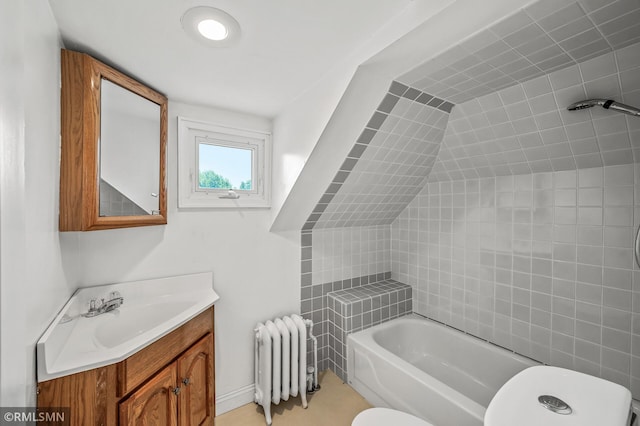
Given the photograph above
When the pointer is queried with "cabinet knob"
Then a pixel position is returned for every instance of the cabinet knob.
(176, 390)
(186, 381)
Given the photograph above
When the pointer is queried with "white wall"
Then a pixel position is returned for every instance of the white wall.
(33, 267)
(255, 272)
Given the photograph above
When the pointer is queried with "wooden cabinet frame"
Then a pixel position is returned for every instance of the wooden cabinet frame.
(107, 396)
(80, 132)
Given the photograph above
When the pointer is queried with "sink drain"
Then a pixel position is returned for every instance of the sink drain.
(554, 404)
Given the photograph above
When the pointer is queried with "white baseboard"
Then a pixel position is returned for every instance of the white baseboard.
(234, 399)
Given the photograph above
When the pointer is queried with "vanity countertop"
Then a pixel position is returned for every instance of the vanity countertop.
(151, 309)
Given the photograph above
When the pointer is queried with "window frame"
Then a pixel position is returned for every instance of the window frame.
(190, 135)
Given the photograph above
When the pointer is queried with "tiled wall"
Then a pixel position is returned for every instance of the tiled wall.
(336, 259)
(343, 253)
(388, 163)
(545, 36)
(538, 263)
(114, 203)
(354, 309)
(527, 128)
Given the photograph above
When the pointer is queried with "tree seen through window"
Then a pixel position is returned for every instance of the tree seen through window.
(224, 167)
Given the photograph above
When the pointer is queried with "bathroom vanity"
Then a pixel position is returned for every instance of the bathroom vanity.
(143, 363)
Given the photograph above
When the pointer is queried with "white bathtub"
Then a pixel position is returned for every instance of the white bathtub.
(429, 370)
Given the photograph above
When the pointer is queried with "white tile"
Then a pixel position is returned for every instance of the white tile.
(565, 78)
(585, 146)
(571, 28)
(542, 8)
(479, 41)
(591, 177)
(591, 5)
(590, 197)
(612, 123)
(580, 131)
(512, 95)
(549, 120)
(590, 255)
(561, 16)
(618, 175)
(614, 142)
(630, 81)
(589, 37)
(599, 67)
(615, 236)
(632, 98)
(590, 216)
(618, 257)
(543, 103)
(511, 24)
(487, 102)
(604, 88)
(589, 160)
(613, 11)
(618, 216)
(628, 57)
(553, 136)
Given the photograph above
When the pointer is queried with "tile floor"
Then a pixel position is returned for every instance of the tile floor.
(335, 404)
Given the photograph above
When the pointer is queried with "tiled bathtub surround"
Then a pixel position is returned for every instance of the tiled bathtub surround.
(344, 253)
(547, 35)
(527, 128)
(336, 259)
(358, 308)
(539, 263)
(523, 234)
(388, 163)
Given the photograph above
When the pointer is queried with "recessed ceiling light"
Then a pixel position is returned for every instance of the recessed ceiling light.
(211, 26)
(213, 30)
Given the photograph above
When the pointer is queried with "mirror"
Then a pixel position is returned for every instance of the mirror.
(113, 148)
(129, 162)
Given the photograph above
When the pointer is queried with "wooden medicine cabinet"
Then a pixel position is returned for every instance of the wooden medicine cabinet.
(113, 148)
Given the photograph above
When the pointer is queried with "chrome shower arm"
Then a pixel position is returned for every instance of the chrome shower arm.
(627, 109)
(606, 104)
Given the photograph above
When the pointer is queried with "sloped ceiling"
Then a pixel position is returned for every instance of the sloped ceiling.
(511, 83)
(386, 168)
(526, 128)
(544, 37)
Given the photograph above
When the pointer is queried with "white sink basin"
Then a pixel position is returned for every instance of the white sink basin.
(151, 309)
(125, 324)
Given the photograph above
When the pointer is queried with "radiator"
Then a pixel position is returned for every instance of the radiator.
(280, 361)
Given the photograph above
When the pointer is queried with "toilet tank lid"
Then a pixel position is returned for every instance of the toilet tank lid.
(593, 401)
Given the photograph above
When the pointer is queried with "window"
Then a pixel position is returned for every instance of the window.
(222, 166)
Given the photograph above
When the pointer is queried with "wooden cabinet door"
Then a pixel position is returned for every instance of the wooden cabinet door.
(154, 403)
(195, 376)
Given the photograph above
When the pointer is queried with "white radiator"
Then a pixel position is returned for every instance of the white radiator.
(280, 361)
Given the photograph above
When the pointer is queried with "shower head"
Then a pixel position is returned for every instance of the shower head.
(606, 104)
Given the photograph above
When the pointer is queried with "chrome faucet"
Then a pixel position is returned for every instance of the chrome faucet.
(98, 307)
